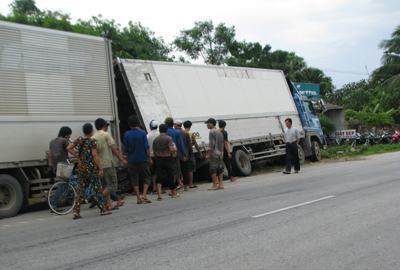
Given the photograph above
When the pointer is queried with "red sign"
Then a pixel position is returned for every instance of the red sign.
(345, 134)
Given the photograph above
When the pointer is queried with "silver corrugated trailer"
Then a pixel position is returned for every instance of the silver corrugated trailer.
(253, 102)
(48, 79)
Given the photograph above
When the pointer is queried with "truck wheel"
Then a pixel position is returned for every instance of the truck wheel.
(11, 196)
(302, 156)
(315, 151)
(241, 163)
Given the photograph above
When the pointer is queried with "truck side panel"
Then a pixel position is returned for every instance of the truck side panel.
(248, 99)
(49, 79)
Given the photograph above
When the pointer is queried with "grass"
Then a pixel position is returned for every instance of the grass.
(344, 151)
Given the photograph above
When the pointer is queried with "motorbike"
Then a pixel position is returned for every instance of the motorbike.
(396, 137)
(385, 138)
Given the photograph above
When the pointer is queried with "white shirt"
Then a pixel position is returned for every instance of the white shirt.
(151, 136)
(291, 135)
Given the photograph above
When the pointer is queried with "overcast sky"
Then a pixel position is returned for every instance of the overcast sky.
(340, 37)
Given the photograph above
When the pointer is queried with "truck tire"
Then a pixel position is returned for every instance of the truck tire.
(302, 157)
(11, 196)
(241, 163)
(315, 151)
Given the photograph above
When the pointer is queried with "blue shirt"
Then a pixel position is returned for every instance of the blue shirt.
(178, 140)
(136, 145)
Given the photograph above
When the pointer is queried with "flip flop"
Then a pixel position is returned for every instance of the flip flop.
(105, 213)
(194, 186)
(146, 200)
(76, 217)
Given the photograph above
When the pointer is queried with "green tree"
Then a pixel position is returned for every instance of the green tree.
(315, 75)
(370, 119)
(355, 96)
(207, 41)
(389, 72)
(24, 7)
(132, 41)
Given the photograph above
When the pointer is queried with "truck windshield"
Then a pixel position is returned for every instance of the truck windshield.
(309, 107)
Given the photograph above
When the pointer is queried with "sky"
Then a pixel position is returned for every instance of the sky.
(341, 37)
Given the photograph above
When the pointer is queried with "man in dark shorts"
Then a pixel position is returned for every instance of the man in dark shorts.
(227, 151)
(164, 151)
(107, 150)
(186, 163)
(215, 155)
(189, 165)
(138, 150)
(178, 141)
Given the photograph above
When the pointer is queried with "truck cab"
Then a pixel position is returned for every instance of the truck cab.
(314, 136)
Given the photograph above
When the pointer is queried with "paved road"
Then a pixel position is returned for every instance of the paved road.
(331, 216)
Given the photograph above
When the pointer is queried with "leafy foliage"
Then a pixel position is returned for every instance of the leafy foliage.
(328, 126)
(375, 102)
(205, 40)
(133, 41)
(370, 119)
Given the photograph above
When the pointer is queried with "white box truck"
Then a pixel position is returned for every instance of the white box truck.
(253, 102)
(50, 79)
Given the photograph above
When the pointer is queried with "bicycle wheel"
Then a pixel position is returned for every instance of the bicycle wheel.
(61, 198)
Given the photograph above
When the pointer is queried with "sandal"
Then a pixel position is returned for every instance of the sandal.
(76, 216)
(140, 202)
(111, 207)
(159, 199)
(120, 203)
(145, 200)
(194, 186)
(105, 212)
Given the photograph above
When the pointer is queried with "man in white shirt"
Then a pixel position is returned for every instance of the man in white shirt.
(151, 136)
(292, 153)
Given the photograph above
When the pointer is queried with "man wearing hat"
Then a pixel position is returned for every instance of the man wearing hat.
(215, 154)
(151, 136)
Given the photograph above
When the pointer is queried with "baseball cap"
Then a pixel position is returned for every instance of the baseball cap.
(100, 123)
(211, 121)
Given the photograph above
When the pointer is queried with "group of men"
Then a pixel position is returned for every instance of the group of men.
(162, 157)
(165, 156)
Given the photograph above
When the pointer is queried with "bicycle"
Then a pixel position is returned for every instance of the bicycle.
(62, 195)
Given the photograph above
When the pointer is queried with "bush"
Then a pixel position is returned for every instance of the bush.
(327, 125)
(369, 119)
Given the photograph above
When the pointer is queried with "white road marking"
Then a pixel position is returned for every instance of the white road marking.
(293, 206)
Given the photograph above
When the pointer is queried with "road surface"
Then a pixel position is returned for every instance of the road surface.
(342, 215)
